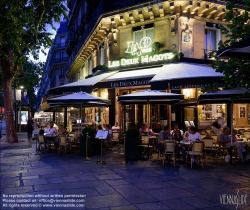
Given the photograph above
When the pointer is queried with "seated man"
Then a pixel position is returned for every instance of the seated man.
(225, 140)
(52, 132)
(115, 128)
(163, 135)
(157, 128)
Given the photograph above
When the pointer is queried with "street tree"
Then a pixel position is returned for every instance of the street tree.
(236, 71)
(23, 31)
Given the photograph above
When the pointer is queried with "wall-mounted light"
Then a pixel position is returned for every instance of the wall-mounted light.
(187, 93)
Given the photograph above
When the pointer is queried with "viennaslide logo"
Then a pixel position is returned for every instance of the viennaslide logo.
(234, 199)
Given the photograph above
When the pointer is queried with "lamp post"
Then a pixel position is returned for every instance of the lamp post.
(16, 96)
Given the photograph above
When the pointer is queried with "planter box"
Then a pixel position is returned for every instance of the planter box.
(94, 146)
(131, 148)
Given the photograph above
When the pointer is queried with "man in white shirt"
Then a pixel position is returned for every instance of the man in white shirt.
(116, 128)
(52, 132)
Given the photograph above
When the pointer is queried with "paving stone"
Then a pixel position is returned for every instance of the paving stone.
(109, 176)
(124, 208)
(18, 190)
(177, 204)
(133, 194)
(90, 191)
(181, 184)
(155, 185)
(34, 181)
(105, 201)
(106, 190)
(86, 178)
(138, 180)
(85, 184)
(45, 187)
(54, 180)
(69, 179)
(116, 182)
(150, 206)
(171, 193)
(198, 202)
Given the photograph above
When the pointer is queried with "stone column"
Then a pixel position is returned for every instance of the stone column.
(102, 56)
(90, 65)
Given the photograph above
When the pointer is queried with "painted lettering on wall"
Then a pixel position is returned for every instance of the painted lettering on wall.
(129, 83)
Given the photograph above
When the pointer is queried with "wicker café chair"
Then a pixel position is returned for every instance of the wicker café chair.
(197, 151)
(62, 140)
(169, 149)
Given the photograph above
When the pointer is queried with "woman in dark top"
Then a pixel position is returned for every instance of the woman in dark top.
(179, 148)
(30, 127)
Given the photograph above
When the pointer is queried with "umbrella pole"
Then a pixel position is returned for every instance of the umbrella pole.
(124, 162)
(231, 147)
(148, 126)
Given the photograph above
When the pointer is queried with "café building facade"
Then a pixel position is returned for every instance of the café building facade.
(116, 48)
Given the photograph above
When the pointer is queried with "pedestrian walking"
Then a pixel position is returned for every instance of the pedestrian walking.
(29, 127)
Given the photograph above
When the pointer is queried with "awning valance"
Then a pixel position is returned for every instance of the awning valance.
(86, 85)
(184, 75)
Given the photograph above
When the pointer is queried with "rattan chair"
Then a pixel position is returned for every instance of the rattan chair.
(197, 151)
(169, 149)
(209, 148)
(41, 143)
(62, 140)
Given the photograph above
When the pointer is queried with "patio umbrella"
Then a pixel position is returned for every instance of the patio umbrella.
(240, 50)
(81, 99)
(150, 97)
(231, 96)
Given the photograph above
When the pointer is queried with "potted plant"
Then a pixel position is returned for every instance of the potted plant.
(156, 46)
(93, 144)
(131, 144)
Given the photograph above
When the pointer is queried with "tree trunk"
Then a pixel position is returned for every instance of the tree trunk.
(8, 75)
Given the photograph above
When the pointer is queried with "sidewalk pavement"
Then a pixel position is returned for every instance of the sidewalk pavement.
(66, 181)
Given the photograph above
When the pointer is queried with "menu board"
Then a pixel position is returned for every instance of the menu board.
(101, 134)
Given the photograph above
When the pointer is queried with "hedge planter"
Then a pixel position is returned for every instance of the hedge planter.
(132, 149)
(94, 146)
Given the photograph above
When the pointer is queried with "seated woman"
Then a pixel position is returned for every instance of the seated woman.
(192, 135)
(179, 148)
(145, 129)
(62, 131)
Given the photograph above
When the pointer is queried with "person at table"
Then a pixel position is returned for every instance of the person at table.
(116, 127)
(225, 140)
(30, 128)
(179, 147)
(145, 129)
(157, 128)
(62, 131)
(52, 132)
(192, 135)
(163, 135)
(176, 127)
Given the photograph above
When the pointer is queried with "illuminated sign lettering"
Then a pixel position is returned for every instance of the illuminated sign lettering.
(135, 48)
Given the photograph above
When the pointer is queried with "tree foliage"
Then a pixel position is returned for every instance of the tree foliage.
(23, 31)
(236, 71)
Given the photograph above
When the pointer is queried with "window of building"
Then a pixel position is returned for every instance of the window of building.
(212, 36)
(138, 35)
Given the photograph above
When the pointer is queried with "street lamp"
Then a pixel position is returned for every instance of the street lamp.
(16, 96)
